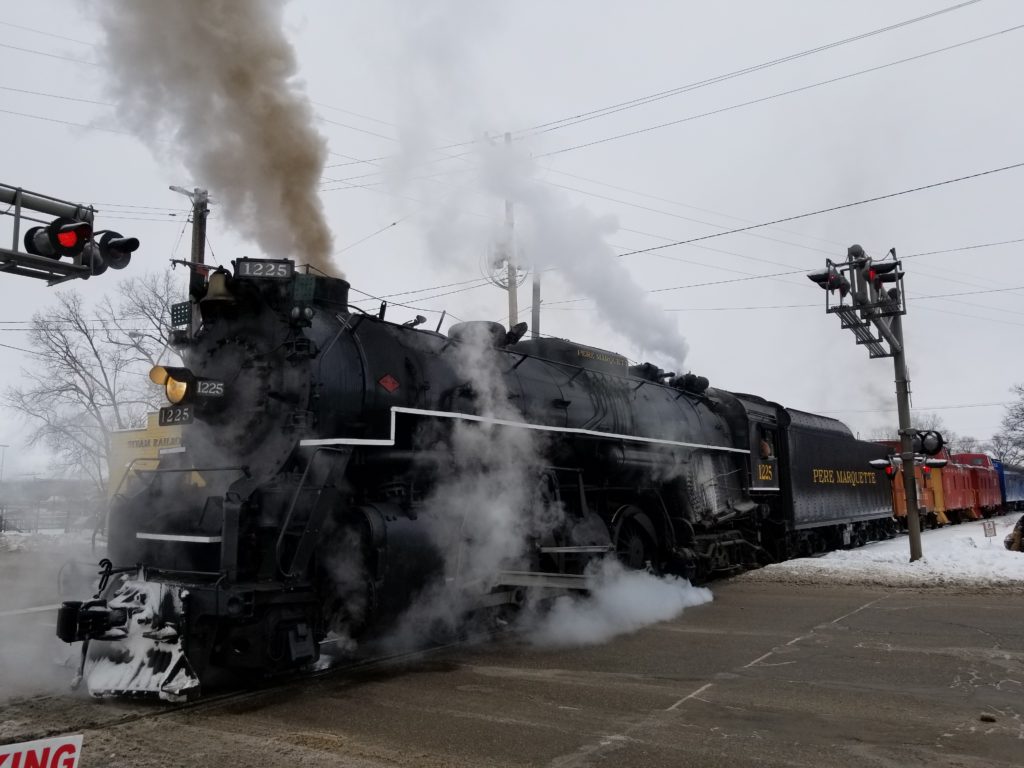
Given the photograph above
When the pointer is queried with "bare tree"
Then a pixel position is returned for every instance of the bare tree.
(964, 443)
(919, 420)
(1008, 443)
(89, 373)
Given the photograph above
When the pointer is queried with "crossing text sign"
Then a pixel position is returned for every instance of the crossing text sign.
(60, 752)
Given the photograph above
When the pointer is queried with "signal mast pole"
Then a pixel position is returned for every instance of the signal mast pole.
(907, 453)
(872, 309)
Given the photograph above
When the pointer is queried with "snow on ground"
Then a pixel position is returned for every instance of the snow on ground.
(953, 556)
(45, 540)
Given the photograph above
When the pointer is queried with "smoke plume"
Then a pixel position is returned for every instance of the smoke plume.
(220, 76)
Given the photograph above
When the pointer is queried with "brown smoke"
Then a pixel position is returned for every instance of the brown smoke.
(219, 75)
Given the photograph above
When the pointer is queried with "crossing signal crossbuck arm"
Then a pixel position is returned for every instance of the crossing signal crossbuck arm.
(66, 248)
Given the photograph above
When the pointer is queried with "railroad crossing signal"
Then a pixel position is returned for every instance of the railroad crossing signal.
(61, 237)
(872, 310)
(113, 250)
(928, 442)
(881, 272)
(67, 247)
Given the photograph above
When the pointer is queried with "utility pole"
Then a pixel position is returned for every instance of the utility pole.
(200, 209)
(871, 308)
(535, 312)
(3, 499)
(197, 273)
(511, 268)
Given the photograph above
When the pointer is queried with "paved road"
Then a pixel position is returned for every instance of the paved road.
(766, 675)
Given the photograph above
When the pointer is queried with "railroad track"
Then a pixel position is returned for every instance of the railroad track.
(77, 712)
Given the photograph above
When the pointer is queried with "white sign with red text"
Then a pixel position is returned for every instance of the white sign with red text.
(61, 752)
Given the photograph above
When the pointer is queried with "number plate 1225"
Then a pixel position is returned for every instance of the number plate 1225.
(175, 414)
(264, 268)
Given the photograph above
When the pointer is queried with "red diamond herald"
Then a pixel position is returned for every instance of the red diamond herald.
(389, 382)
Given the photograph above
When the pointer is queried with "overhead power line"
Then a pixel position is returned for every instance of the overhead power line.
(659, 198)
(483, 282)
(71, 123)
(923, 408)
(964, 248)
(409, 306)
(831, 209)
(783, 274)
(55, 96)
(49, 55)
(644, 100)
(943, 310)
(355, 128)
(47, 34)
(789, 92)
(354, 114)
(361, 240)
(558, 304)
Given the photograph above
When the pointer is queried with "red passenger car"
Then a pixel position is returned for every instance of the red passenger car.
(984, 483)
(958, 498)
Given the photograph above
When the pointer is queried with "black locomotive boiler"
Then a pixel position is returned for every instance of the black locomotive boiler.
(314, 434)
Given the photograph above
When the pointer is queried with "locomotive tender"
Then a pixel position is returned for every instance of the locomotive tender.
(315, 434)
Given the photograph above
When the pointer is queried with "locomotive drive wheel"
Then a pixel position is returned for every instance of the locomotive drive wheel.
(633, 544)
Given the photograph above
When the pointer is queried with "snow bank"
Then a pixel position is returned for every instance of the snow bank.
(954, 556)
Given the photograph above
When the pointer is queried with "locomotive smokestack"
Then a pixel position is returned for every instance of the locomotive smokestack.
(220, 75)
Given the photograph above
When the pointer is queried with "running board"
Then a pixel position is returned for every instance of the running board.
(540, 579)
(598, 549)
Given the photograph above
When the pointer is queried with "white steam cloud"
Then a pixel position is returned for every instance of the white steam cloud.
(620, 602)
(488, 501)
(441, 45)
(556, 233)
(220, 75)
(39, 570)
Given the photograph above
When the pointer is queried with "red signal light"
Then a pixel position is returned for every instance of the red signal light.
(67, 239)
(61, 237)
(890, 471)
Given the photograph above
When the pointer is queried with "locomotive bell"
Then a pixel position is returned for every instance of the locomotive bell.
(217, 288)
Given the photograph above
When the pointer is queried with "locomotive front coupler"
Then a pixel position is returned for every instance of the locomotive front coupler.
(81, 620)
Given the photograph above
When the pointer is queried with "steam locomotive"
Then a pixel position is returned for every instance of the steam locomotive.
(305, 498)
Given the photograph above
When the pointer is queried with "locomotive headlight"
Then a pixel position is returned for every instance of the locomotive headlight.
(176, 390)
(183, 386)
(158, 375)
(178, 383)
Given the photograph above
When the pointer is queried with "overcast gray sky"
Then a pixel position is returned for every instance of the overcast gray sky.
(397, 79)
